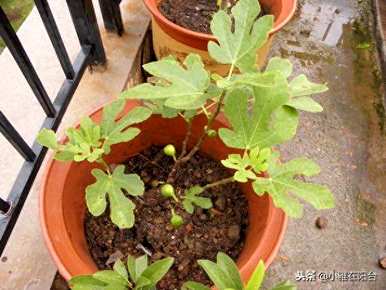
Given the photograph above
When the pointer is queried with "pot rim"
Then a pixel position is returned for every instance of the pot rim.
(153, 8)
(276, 217)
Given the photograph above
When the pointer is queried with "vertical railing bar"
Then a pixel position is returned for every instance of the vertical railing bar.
(4, 206)
(15, 47)
(15, 139)
(29, 170)
(111, 14)
(54, 34)
(86, 26)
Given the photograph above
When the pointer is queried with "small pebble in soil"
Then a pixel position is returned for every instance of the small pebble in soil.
(321, 222)
(117, 255)
(220, 203)
(234, 232)
(382, 262)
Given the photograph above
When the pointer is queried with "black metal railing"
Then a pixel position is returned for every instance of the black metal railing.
(91, 53)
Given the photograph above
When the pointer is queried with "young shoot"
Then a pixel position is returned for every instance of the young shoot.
(192, 198)
(225, 276)
(136, 274)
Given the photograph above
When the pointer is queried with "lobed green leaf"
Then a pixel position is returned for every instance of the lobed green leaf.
(301, 86)
(305, 104)
(242, 165)
(90, 141)
(191, 199)
(186, 87)
(267, 123)
(47, 138)
(300, 89)
(280, 65)
(250, 79)
(115, 131)
(122, 208)
(238, 46)
(286, 190)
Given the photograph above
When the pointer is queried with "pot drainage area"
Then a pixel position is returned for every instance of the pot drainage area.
(332, 41)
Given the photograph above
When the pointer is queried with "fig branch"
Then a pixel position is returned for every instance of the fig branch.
(205, 133)
(187, 137)
(210, 122)
(219, 182)
(185, 158)
(105, 165)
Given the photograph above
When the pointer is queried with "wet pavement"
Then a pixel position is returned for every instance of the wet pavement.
(331, 41)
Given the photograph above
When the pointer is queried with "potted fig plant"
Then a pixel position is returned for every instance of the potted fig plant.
(181, 27)
(183, 167)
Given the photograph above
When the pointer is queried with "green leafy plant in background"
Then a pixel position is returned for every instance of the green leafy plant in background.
(90, 142)
(17, 11)
(137, 275)
(225, 276)
(261, 107)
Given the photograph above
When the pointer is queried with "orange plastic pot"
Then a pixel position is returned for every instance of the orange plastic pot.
(172, 39)
(62, 199)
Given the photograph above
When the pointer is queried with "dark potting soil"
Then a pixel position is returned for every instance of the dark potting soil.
(191, 14)
(194, 15)
(203, 234)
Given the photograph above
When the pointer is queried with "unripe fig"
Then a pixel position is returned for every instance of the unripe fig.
(167, 190)
(176, 220)
(170, 150)
(212, 133)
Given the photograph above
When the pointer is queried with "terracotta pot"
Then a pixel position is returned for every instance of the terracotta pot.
(62, 201)
(172, 39)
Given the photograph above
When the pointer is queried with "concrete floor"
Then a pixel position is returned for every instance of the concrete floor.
(331, 42)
